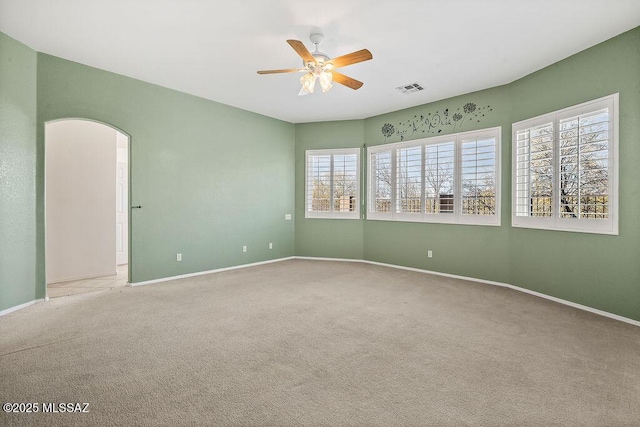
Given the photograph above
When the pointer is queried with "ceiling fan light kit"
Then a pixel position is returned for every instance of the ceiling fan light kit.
(308, 82)
(325, 78)
(319, 66)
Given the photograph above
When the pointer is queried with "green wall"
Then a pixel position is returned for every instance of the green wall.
(17, 173)
(595, 270)
(474, 251)
(326, 237)
(598, 271)
(210, 178)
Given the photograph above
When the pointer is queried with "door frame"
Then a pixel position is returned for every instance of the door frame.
(129, 189)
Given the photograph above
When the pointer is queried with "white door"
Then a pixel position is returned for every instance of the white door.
(122, 217)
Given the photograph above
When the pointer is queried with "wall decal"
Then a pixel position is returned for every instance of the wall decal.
(436, 123)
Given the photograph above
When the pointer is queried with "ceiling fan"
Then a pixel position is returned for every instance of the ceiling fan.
(318, 66)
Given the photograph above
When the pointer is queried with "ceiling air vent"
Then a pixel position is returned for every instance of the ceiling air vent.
(410, 88)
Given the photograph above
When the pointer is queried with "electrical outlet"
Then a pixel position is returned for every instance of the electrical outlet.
(429, 254)
(287, 217)
(270, 245)
(244, 249)
(178, 257)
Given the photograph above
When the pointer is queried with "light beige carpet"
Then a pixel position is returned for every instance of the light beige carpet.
(319, 343)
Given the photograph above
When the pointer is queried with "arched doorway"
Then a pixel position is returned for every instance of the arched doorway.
(86, 207)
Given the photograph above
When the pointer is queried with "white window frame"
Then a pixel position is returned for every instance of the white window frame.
(555, 222)
(308, 213)
(446, 218)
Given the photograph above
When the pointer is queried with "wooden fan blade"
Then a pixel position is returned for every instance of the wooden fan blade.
(351, 58)
(301, 50)
(346, 80)
(288, 70)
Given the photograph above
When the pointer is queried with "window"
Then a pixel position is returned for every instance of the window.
(333, 183)
(565, 169)
(452, 179)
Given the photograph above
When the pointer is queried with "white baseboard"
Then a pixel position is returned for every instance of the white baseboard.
(201, 273)
(318, 258)
(576, 305)
(488, 282)
(18, 307)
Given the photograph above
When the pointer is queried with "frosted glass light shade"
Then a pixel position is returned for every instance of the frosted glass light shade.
(308, 82)
(325, 80)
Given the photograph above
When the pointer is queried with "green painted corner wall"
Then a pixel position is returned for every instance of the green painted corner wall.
(474, 251)
(210, 178)
(404, 243)
(326, 237)
(598, 271)
(18, 67)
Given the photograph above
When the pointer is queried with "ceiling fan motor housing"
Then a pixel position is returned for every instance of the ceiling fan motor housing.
(320, 57)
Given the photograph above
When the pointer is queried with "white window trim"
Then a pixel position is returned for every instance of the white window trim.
(599, 226)
(332, 215)
(456, 217)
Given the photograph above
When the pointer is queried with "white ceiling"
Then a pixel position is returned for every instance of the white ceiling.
(213, 48)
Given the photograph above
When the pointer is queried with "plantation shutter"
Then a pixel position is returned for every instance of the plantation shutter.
(584, 166)
(439, 178)
(534, 171)
(319, 183)
(565, 169)
(421, 180)
(380, 192)
(409, 180)
(332, 184)
(345, 182)
(478, 174)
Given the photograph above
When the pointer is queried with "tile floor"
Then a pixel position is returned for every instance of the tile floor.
(95, 284)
